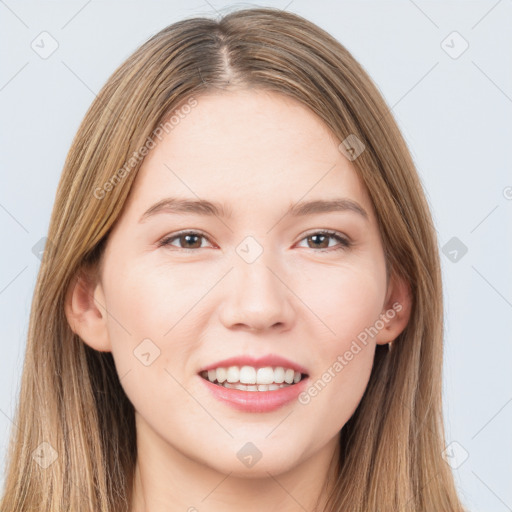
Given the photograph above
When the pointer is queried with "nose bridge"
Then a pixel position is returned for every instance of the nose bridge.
(253, 264)
(256, 296)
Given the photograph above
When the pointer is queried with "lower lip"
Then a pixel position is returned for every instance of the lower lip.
(256, 401)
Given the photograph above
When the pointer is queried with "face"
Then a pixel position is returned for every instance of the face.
(186, 289)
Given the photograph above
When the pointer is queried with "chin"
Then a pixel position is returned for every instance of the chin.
(274, 464)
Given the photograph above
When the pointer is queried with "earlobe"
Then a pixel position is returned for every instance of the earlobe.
(85, 310)
(396, 311)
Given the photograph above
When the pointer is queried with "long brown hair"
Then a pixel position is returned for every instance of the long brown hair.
(72, 407)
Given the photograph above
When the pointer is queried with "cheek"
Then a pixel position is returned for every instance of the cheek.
(335, 394)
(151, 326)
(349, 304)
(347, 298)
(151, 302)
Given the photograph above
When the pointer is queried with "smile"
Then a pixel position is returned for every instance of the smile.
(250, 378)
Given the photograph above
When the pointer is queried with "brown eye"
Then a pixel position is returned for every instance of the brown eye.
(190, 241)
(187, 240)
(320, 240)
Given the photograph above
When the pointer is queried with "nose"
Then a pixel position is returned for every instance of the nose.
(257, 297)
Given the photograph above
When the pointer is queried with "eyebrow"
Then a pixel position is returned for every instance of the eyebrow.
(175, 205)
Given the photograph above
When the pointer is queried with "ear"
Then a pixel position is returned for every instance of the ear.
(85, 309)
(396, 311)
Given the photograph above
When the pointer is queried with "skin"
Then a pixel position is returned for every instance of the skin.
(257, 152)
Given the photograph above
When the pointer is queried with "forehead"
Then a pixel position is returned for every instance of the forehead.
(248, 149)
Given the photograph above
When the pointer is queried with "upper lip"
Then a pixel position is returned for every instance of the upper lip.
(257, 362)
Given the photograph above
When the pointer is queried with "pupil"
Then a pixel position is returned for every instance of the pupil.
(188, 237)
(316, 236)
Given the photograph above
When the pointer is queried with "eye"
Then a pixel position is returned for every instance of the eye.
(191, 240)
(321, 238)
(188, 238)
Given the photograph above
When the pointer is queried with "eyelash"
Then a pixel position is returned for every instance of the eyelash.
(344, 243)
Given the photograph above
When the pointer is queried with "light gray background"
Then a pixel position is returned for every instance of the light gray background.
(455, 114)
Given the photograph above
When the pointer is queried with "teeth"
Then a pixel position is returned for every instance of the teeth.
(233, 374)
(248, 378)
(222, 374)
(288, 376)
(279, 375)
(265, 375)
(259, 387)
(247, 375)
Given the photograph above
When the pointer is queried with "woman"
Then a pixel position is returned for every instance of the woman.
(241, 304)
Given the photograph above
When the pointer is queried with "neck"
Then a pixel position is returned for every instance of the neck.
(167, 480)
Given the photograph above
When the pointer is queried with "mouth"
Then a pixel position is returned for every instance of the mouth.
(252, 378)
